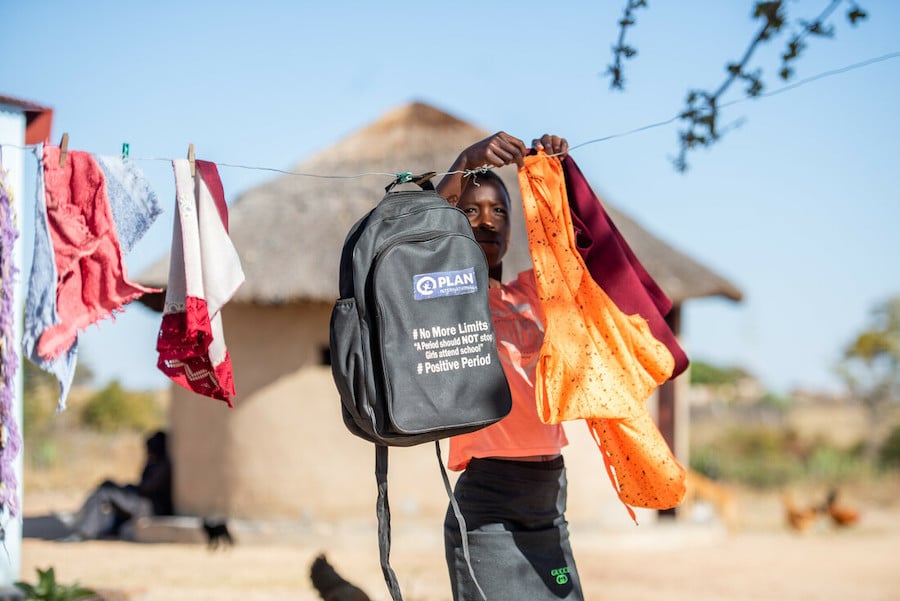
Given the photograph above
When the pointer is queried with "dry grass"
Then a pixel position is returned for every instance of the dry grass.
(62, 461)
(80, 459)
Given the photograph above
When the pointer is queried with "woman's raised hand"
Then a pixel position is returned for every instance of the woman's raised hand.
(552, 145)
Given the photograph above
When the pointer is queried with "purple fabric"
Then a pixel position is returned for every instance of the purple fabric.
(614, 266)
(10, 440)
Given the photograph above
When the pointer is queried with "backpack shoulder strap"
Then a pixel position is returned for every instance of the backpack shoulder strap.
(383, 511)
(460, 520)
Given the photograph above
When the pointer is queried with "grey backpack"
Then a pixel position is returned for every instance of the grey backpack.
(413, 353)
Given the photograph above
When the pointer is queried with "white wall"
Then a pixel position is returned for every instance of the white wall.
(12, 133)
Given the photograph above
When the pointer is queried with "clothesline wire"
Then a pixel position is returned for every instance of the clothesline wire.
(276, 170)
(304, 174)
(781, 90)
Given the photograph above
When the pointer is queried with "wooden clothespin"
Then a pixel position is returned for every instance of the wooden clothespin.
(63, 149)
(192, 160)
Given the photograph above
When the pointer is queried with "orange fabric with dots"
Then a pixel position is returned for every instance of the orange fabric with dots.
(596, 362)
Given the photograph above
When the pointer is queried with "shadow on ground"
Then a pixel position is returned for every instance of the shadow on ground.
(44, 527)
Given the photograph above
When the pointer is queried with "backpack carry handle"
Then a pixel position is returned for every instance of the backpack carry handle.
(422, 180)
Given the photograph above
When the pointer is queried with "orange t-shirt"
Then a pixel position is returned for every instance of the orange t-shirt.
(519, 330)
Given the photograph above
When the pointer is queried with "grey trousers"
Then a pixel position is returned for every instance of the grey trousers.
(107, 508)
(518, 536)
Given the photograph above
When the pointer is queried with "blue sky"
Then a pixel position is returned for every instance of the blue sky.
(799, 206)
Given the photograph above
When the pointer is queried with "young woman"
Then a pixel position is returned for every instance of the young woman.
(512, 489)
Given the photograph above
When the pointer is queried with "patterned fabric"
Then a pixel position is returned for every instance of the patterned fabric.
(596, 362)
(204, 273)
(10, 439)
(133, 202)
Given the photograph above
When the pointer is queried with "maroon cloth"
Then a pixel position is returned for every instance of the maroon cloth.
(613, 265)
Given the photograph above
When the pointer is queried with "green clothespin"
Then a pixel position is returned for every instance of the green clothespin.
(126, 148)
(401, 178)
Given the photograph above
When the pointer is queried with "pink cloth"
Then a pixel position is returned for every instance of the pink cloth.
(92, 282)
(204, 273)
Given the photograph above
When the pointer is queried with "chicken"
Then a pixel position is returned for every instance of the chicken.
(330, 585)
(841, 515)
(798, 518)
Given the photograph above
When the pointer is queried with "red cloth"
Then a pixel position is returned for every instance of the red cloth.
(92, 282)
(614, 266)
(204, 274)
(183, 346)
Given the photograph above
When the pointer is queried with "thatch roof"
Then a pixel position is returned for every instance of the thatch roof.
(289, 231)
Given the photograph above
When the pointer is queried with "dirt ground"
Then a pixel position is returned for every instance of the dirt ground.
(693, 560)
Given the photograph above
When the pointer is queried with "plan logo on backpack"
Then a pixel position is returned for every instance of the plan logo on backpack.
(413, 353)
(447, 283)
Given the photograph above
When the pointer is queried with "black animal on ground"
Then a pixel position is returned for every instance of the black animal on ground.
(217, 534)
(331, 585)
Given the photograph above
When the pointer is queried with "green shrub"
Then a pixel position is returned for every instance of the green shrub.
(43, 453)
(40, 393)
(702, 372)
(776, 401)
(47, 589)
(764, 457)
(828, 464)
(889, 453)
(113, 409)
(707, 461)
(766, 471)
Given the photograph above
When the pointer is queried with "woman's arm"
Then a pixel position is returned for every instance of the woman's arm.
(496, 150)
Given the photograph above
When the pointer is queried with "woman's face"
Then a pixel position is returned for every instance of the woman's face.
(487, 207)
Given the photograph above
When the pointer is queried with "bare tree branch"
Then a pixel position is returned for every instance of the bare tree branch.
(702, 110)
(621, 49)
(701, 113)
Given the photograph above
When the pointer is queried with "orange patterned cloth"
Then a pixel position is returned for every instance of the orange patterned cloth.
(596, 363)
